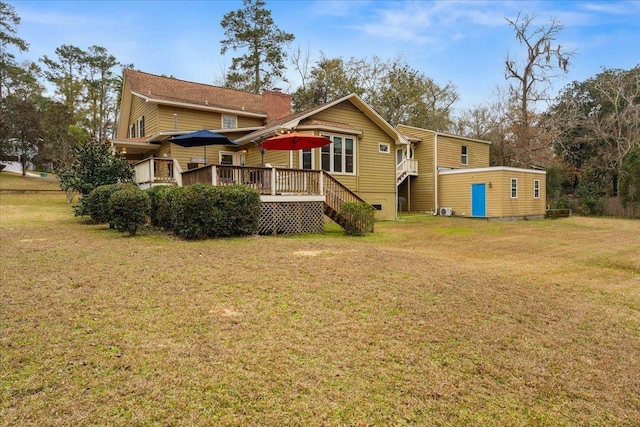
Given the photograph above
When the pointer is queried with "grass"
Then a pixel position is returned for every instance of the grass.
(15, 181)
(428, 321)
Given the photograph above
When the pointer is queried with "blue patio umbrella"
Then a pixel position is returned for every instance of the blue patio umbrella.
(201, 138)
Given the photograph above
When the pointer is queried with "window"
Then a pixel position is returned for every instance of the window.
(339, 156)
(226, 158)
(306, 159)
(536, 188)
(229, 122)
(514, 188)
(132, 131)
(464, 156)
(384, 148)
(141, 131)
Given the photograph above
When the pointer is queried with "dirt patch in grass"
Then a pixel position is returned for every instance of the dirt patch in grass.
(525, 323)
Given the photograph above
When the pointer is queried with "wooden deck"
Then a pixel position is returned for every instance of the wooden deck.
(279, 189)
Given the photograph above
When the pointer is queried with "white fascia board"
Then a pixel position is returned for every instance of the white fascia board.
(489, 169)
(445, 134)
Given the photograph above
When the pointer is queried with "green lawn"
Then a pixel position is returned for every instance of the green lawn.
(428, 321)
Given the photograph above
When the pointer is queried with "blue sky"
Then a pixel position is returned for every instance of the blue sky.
(463, 42)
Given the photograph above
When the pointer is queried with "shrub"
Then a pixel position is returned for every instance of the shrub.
(561, 203)
(201, 211)
(129, 208)
(591, 203)
(241, 207)
(161, 197)
(192, 209)
(359, 216)
(96, 203)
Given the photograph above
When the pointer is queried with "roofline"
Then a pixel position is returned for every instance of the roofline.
(199, 106)
(444, 134)
(490, 169)
(359, 103)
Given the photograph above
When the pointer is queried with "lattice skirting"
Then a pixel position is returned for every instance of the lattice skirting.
(291, 217)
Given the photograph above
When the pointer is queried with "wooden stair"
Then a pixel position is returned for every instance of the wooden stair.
(336, 195)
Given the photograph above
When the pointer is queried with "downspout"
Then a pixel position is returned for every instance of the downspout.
(397, 185)
(435, 174)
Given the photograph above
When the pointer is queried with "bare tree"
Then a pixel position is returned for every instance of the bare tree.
(532, 79)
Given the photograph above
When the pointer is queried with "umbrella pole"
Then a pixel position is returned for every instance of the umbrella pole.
(205, 155)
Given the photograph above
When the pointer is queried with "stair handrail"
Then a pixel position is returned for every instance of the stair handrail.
(336, 193)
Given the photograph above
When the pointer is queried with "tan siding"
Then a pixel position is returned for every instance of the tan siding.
(375, 171)
(525, 204)
(140, 108)
(386, 202)
(450, 150)
(455, 192)
(276, 158)
(196, 119)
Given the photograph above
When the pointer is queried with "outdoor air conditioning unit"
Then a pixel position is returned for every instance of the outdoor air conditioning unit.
(446, 211)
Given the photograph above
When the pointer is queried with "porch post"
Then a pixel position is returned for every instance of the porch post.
(321, 183)
(151, 177)
(214, 175)
(273, 181)
(408, 193)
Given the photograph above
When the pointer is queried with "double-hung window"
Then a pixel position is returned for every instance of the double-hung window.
(536, 188)
(229, 122)
(306, 159)
(464, 155)
(514, 188)
(141, 131)
(132, 131)
(339, 156)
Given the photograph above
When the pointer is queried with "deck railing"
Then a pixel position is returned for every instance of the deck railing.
(154, 171)
(265, 180)
(336, 194)
(408, 166)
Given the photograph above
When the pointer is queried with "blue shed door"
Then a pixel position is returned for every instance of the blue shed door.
(478, 200)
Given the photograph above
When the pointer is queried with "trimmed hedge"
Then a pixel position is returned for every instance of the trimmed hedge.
(193, 212)
(161, 197)
(360, 217)
(129, 208)
(96, 203)
(200, 211)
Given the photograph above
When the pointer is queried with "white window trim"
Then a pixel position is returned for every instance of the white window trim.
(229, 116)
(386, 149)
(140, 127)
(331, 155)
(464, 157)
(313, 159)
(511, 187)
(536, 188)
(231, 153)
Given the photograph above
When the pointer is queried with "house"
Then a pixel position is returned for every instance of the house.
(366, 160)
(357, 165)
(454, 178)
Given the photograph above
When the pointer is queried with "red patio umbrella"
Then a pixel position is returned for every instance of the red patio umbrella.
(294, 141)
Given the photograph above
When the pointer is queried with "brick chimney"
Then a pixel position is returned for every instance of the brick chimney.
(276, 104)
